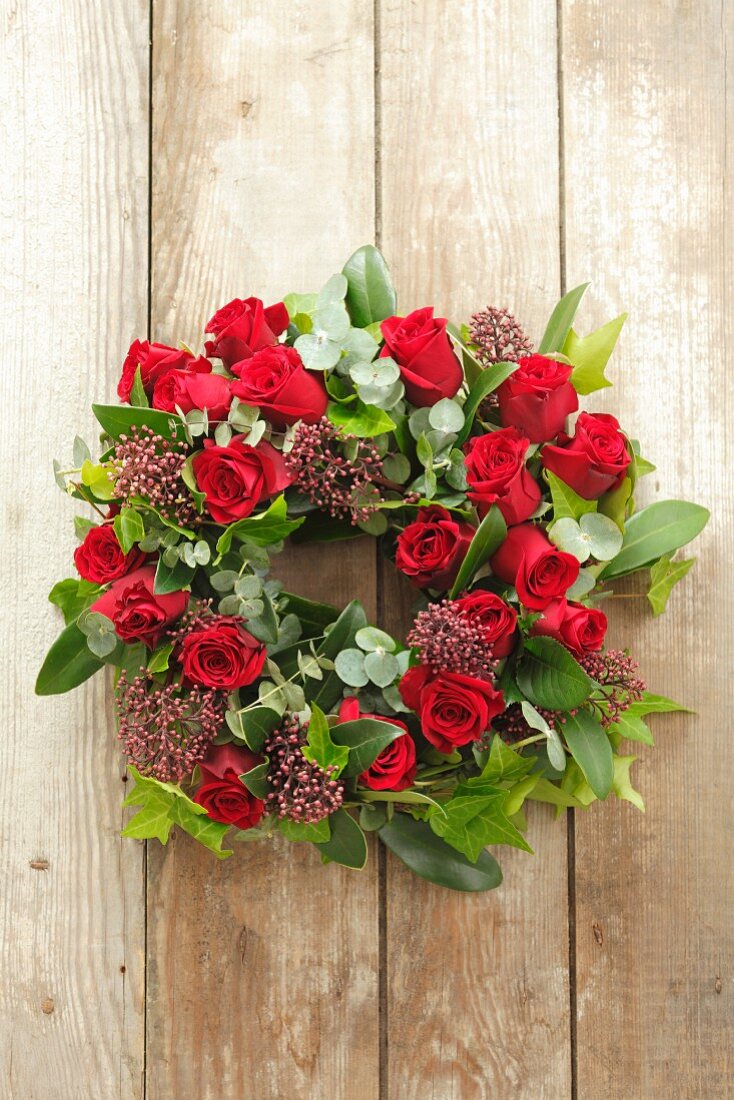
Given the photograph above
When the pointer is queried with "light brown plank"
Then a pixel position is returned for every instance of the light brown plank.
(263, 973)
(73, 120)
(478, 999)
(647, 220)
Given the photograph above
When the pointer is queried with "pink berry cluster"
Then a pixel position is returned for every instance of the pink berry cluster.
(146, 465)
(616, 674)
(449, 641)
(337, 472)
(498, 337)
(301, 791)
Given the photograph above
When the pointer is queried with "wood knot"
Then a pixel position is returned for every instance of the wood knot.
(598, 931)
(47, 1006)
(717, 984)
(246, 106)
(39, 864)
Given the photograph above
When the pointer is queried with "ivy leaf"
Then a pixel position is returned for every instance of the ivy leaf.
(320, 749)
(632, 728)
(567, 503)
(347, 844)
(256, 780)
(591, 750)
(545, 791)
(660, 529)
(264, 529)
(128, 525)
(622, 785)
(159, 659)
(503, 765)
(370, 294)
(473, 821)
(357, 418)
(489, 536)
(664, 575)
(590, 355)
(163, 805)
(188, 816)
(73, 597)
(561, 319)
(550, 677)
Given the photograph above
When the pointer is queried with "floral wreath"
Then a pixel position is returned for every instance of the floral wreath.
(246, 710)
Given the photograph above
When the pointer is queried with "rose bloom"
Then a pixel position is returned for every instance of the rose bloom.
(222, 793)
(594, 460)
(189, 390)
(395, 767)
(581, 629)
(235, 478)
(496, 474)
(537, 397)
(276, 381)
(496, 619)
(243, 327)
(420, 346)
(454, 709)
(539, 571)
(100, 559)
(137, 613)
(155, 360)
(431, 549)
(222, 654)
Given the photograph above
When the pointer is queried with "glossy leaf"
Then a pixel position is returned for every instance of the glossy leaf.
(590, 355)
(172, 578)
(489, 536)
(320, 748)
(340, 636)
(370, 294)
(73, 597)
(117, 420)
(490, 379)
(561, 320)
(567, 503)
(591, 750)
(253, 726)
(661, 528)
(664, 575)
(427, 855)
(347, 844)
(550, 677)
(365, 739)
(68, 663)
(264, 529)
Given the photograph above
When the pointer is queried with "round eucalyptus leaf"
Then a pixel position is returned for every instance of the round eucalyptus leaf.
(370, 638)
(317, 352)
(332, 319)
(349, 666)
(583, 584)
(394, 699)
(456, 471)
(446, 416)
(248, 587)
(230, 605)
(333, 290)
(256, 432)
(170, 556)
(101, 643)
(604, 537)
(360, 346)
(418, 422)
(224, 581)
(396, 468)
(222, 434)
(202, 552)
(382, 668)
(568, 536)
(380, 372)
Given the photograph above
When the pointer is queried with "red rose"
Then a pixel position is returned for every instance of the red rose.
(138, 614)
(222, 793)
(537, 397)
(496, 619)
(276, 381)
(395, 767)
(420, 346)
(100, 559)
(496, 474)
(595, 460)
(454, 709)
(222, 654)
(155, 360)
(237, 477)
(539, 571)
(431, 549)
(581, 629)
(189, 390)
(243, 327)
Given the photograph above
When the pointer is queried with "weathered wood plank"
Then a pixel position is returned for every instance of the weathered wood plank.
(259, 983)
(73, 119)
(478, 999)
(647, 220)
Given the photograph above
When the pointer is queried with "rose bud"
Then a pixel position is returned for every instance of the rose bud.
(137, 613)
(395, 767)
(276, 381)
(243, 327)
(496, 474)
(594, 460)
(537, 397)
(454, 709)
(539, 571)
(431, 549)
(222, 793)
(420, 345)
(99, 559)
(189, 390)
(581, 629)
(496, 619)
(222, 654)
(235, 478)
(155, 360)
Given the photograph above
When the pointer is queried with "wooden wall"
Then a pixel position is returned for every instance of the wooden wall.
(159, 161)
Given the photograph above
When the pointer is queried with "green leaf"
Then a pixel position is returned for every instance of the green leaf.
(312, 615)
(550, 677)
(418, 847)
(591, 750)
(68, 663)
(567, 503)
(256, 780)
(632, 728)
(253, 726)
(488, 381)
(128, 525)
(656, 704)
(592, 535)
(73, 597)
(370, 293)
(503, 765)
(172, 578)
(561, 319)
(347, 844)
(590, 355)
(117, 420)
(159, 659)
(138, 395)
(660, 529)
(614, 503)
(340, 636)
(622, 785)
(188, 816)
(163, 805)
(320, 748)
(360, 419)
(365, 738)
(664, 575)
(318, 832)
(490, 534)
(472, 821)
(554, 747)
(545, 791)
(97, 479)
(264, 529)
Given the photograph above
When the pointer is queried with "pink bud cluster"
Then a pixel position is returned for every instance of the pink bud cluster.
(449, 641)
(616, 674)
(322, 470)
(198, 616)
(300, 791)
(146, 465)
(498, 337)
(167, 730)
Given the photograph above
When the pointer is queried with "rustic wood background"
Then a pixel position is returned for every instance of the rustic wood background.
(159, 160)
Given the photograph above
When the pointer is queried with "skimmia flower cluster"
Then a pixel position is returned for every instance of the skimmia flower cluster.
(245, 709)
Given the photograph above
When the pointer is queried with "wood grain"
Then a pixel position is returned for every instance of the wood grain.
(73, 120)
(258, 984)
(478, 999)
(648, 220)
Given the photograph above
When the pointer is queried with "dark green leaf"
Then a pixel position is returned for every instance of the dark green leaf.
(138, 395)
(487, 382)
(253, 726)
(659, 529)
(561, 320)
(591, 750)
(117, 420)
(314, 616)
(490, 535)
(370, 294)
(365, 738)
(172, 578)
(256, 780)
(418, 847)
(550, 677)
(68, 663)
(347, 844)
(128, 525)
(318, 832)
(73, 597)
(340, 636)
